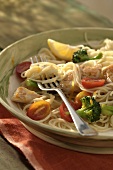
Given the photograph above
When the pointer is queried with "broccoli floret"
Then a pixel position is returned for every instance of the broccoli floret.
(90, 110)
(106, 110)
(81, 55)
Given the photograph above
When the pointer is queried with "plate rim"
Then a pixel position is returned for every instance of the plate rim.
(74, 147)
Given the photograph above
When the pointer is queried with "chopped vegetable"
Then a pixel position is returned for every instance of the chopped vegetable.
(79, 96)
(92, 83)
(64, 113)
(39, 110)
(90, 110)
(81, 55)
(22, 67)
(30, 83)
(107, 110)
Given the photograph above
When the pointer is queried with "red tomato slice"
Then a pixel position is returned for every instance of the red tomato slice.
(64, 113)
(92, 83)
(22, 67)
(39, 110)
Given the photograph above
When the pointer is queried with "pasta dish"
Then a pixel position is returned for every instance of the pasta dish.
(87, 75)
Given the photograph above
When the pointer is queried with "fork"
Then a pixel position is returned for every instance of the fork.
(83, 128)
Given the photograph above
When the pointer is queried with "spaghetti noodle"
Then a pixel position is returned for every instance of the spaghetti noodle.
(69, 75)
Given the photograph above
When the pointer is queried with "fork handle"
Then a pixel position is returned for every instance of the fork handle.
(83, 128)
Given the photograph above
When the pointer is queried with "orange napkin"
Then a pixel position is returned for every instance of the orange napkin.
(44, 156)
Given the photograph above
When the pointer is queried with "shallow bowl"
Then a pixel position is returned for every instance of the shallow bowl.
(23, 50)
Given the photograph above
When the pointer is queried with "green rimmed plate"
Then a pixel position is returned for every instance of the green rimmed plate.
(22, 50)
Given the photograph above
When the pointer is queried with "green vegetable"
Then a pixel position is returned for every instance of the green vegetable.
(90, 110)
(106, 110)
(31, 83)
(81, 55)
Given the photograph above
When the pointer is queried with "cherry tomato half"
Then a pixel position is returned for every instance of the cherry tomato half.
(64, 113)
(22, 67)
(92, 83)
(39, 110)
(79, 96)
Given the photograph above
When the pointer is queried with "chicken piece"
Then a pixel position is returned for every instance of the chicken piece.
(91, 71)
(68, 85)
(108, 73)
(23, 95)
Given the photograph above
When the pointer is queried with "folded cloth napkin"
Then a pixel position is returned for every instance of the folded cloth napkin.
(45, 156)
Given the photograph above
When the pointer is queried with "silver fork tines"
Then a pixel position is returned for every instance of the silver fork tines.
(83, 128)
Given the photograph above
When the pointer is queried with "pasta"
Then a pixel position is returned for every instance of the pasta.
(49, 69)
